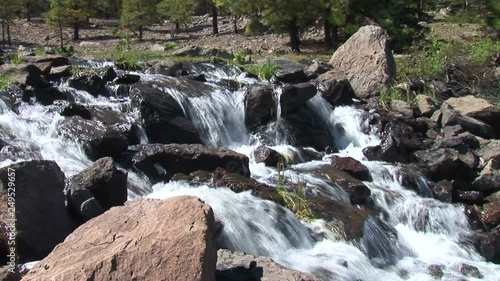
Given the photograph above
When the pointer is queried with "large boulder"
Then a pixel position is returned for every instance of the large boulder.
(289, 71)
(40, 215)
(366, 60)
(164, 118)
(356, 190)
(106, 183)
(337, 91)
(161, 162)
(240, 267)
(442, 163)
(489, 178)
(259, 106)
(98, 139)
(146, 239)
(295, 96)
(93, 84)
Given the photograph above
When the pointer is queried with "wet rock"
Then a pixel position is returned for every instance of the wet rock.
(402, 108)
(442, 163)
(240, 267)
(436, 270)
(107, 183)
(351, 166)
(470, 197)
(451, 117)
(295, 96)
(180, 177)
(47, 96)
(82, 205)
(269, 157)
(443, 191)
(75, 109)
(109, 74)
(488, 245)
(164, 119)
(202, 176)
(116, 121)
(161, 162)
(42, 221)
(239, 183)
(337, 91)
(366, 60)
(491, 214)
(99, 140)
(387, 151)
(127, 78)
(358, 192)
(305, 128)
(425, 106)
(289, 71)
(93, 84)
(259, 106)
(489, 178)
(469, 270)
(410, 178)
(134, 242)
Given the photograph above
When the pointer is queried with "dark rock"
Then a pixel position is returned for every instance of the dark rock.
(452, 131)
(47, 96)
(60, 72)
(161, 162)
(295, 96)
(239, 183)
(442, 163)
(436, 270)
(83, 205)
(180, 177)
(387, 151)
(488, 245)
(358, 192)
(304, 128)
(107, 183)
(259, 106)
(170, 68)
(470, 197)
(164, 119)
(489, 178)
(402, 108)
(490, 150)
(425, 106)
(469, 270)
(75, 109)
(491, 214)
(289, 71)
(42, 221)
(99, 141)
(477, 108)
(109, 74)
(127, 78)
(351, 166)
(116, 121)
(457, 142)
(93, 84)
(7, 274)
(443, 191)
(409, 178)
(269, 157)
(200, 77)
(336, 92)
(230, 84)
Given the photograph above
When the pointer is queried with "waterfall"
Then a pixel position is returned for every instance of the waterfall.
(412, 233)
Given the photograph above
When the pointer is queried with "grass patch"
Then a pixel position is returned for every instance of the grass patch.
(264, 71)
(483, 51)
(40, 51)
(15, 58)
(5, 82)
(296, 200)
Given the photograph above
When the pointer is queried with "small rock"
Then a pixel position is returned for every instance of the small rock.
(269, 157)
(127, 79)
(351, 166)
(425, 105)
(470, 270)
(402, 107)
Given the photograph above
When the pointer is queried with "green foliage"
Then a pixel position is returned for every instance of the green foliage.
(483, 51)
(40, 51)
(178, 11)
(295, 201)
(265, 71)
(137, 14)
(239, 57)
(254, 26)
(15, 58)
(426, 62)
(5, 82)
(170, 46)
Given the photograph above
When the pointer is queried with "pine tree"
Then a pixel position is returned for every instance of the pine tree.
(7, 9)
(56, 17)
(178, 11)
(137, 14)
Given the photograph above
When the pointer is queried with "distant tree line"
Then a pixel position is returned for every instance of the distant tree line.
(399, 17)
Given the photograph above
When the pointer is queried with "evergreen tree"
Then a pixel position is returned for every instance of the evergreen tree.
(56, 17)
(137, 14)
(178, 11)
(7, 9)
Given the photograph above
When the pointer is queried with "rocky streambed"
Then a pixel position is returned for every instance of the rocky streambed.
(409, 193)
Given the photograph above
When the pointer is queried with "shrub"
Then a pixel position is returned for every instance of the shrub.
(254, 26)
(484, 50)
(239, 57)
(265, 71)
(170, 46)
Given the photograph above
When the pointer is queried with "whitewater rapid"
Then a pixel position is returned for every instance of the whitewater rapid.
(261, 227)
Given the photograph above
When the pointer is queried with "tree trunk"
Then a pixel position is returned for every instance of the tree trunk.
(76, 31)
(327, 29)
(140, 32)
(61, 36)
(215, 25)
(3, 33)
(9, 40)
(293, 32)
(235, 24)
(334, 29)
(177, 27)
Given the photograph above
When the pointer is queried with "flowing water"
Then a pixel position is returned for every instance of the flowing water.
(419, 231)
